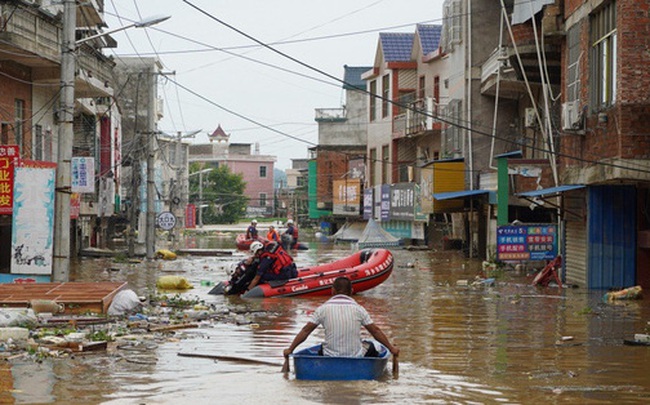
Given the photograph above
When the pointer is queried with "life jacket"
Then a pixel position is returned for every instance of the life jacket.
(273, 236)
(280, 257)
(293, 231)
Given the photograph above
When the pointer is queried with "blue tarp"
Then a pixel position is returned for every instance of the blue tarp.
(459, 194)
(551, 190)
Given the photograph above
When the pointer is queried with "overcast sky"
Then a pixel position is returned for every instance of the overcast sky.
(220, 74)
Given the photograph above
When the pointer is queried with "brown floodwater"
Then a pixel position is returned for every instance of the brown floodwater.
(510, 343)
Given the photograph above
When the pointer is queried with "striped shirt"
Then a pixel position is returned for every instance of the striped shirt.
(342, 319)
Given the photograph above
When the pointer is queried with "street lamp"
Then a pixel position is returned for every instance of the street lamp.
(61, 245)
(201, 206)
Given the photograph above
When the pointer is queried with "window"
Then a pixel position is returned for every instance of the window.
(421, 88)
(385, 164)
(603, 56)
(573, 68)
(452, 135)
(436, 93)
(452, 25)
(385, 83)
(19, 118)
(262, 199)
(263, 171)
(37, 152)
(372, 165)
(373, 100)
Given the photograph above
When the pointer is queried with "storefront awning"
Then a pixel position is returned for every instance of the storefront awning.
(451, 195)
(551, 190)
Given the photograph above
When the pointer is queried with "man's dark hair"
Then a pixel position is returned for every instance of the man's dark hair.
(342, 285)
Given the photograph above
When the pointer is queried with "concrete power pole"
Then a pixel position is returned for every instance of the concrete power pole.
(150, 239)
(61, 246)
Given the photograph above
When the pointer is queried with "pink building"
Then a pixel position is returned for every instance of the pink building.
(242, 158)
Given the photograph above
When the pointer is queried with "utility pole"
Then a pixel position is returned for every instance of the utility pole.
(150, 239)
(61, 246)
(201, 199)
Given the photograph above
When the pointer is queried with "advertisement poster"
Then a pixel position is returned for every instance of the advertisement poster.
(385, 202)
(9, 155)
(83, 174)
(368, 203)
(527, 242)
(33, 221)
(402, 200)
(347, 197)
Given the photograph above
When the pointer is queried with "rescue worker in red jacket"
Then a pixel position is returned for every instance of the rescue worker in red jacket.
(274, 263)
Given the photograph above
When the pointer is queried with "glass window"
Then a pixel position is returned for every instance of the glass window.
(385, 172)
(372, 165)
(385, 95)
(373, 100)
(37, 152)
(262, 199)
(603, 56)
(262, 171)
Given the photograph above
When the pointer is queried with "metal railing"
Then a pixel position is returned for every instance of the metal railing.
(330, 114)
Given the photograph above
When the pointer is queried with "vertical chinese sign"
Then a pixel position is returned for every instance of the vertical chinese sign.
(83, 174)
(9, 158)
(190, 216)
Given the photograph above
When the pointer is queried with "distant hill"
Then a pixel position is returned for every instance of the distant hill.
(279, 178)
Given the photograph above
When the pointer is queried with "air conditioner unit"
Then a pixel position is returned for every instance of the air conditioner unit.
(571, 116)
(530, 118)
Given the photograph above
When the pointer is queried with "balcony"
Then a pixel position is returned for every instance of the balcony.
(509, 86)
(30, 38)
(330, 114)
(90, 13)
(419, 118)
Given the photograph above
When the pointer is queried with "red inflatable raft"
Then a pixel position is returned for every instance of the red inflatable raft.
(366, 269)
(245, 244)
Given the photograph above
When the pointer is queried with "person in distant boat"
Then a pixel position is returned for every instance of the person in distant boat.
(274, 263)
(290, 236)
(273, 235)
(251, 232)
(342, 318)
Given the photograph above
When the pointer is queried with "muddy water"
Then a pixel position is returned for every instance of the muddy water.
(503, 344)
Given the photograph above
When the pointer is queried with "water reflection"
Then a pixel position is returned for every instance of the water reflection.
(510, 343)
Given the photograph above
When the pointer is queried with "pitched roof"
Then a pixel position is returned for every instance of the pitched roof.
(429, 37)
(353, 78)
(396, 46)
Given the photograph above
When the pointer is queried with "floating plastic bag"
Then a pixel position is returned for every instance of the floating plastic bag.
(173, 283)
(123, 302)
(17, 317)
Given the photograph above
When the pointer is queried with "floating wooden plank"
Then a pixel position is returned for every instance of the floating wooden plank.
(78, 297)
(204, 252)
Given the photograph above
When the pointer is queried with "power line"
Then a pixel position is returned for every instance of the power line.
(443, 120)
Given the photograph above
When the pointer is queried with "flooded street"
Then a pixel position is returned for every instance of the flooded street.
(510, 343)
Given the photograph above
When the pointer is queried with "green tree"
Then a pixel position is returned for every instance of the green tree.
(223, 193)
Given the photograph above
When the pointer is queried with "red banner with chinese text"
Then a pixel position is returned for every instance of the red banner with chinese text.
(9, 158)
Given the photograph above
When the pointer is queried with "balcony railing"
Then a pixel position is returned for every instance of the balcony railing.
(499, 58)
(420, 117)
(30, 33)
(330, 114)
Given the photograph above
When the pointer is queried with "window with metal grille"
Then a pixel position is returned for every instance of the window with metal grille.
(385, 81)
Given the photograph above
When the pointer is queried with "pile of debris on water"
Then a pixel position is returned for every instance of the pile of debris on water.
(132, 323)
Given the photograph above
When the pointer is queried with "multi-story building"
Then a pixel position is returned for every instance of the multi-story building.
(339, 158)
(244, 159)
(31, 82)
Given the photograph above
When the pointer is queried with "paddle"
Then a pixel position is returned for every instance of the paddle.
(395, 367)
(229, 358)
(285, 366)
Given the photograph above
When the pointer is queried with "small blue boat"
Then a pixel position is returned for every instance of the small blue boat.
(309, 365)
